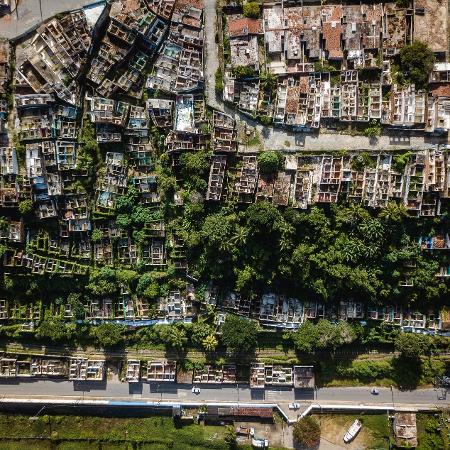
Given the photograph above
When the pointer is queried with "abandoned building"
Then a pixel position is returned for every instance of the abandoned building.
(83, 369)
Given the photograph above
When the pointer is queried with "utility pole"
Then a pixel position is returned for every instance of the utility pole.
(392, 395)
(40, 9)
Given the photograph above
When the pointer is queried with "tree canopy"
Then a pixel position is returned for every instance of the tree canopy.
(412, 345)
(107, 334)
(416, 63)
(326, 254)
(239, 334)
(270, 162)
(322, 336)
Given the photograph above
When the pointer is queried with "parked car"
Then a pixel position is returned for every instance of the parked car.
(294, 405)
(195, 390)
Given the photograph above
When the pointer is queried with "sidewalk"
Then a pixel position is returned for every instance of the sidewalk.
(29, 15)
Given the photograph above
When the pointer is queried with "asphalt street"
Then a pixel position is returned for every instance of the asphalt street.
(211, 393)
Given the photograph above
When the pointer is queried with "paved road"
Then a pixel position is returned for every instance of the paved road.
(29, 14)
(211, 53)
(232, 393)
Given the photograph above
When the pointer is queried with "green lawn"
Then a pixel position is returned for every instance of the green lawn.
(73, 432)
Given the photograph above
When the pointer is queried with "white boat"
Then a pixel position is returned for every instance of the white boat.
(352, 431)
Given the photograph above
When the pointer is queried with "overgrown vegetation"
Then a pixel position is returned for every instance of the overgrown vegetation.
(244, 71)
(219, 81)
(307, 432)
(251, 10)
(78, 432)
(373, 130)
(416, 62)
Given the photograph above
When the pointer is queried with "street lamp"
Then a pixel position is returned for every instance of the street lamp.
(392, 395)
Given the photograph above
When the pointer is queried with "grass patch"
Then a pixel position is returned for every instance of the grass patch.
(26, 445)
(77, 432)
(385, 371)
(90, 446)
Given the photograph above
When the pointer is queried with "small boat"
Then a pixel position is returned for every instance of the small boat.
(352, 431)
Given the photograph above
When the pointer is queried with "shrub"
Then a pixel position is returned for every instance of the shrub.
(252, 10)
(270, 162)
(373, 130)
(266, 120)
(243, 71)
(219, 81)
(400, 160)
(96, 235)
(307, 432)
(361, 161)
(25, 207)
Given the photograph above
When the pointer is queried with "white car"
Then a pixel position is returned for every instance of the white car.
(195, 390)
(294, 405)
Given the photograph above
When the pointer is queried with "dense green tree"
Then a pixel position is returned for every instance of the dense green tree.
(239, 334)
(200, 331)
(305, 338)
(54, 329)
(108, 334)
(173, 336)
(263, 217)
(103, 281)
(270, 162)
(75, 301)
(148, 285)
(416, 63)
(412, 345)
(306, 432)
(393, 213)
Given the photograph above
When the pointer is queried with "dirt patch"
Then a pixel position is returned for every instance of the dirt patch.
(333, 430)
(279, 433)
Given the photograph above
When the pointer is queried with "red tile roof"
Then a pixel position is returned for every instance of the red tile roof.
(332, 32)
(243, 27)
(441, 90)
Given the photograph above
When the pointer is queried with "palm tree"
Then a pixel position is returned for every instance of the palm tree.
(210, 343)
(393, 212)
(239, 238)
